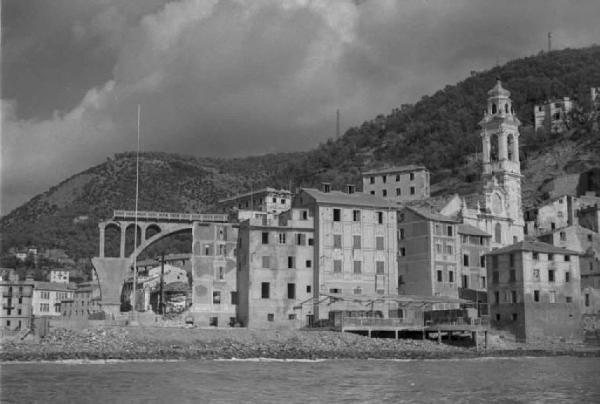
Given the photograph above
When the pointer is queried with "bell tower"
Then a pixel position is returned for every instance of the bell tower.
(501, 167)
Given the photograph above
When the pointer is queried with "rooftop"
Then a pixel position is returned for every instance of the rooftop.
(266, 190)
(394, 170)
(355, 199)
(56, 286)
(534, 246)
(471, 230)
(498, 90)
(432, 216)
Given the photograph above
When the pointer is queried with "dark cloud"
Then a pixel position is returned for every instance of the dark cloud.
(237, 77)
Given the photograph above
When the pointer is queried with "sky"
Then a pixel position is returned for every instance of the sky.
(231, 78)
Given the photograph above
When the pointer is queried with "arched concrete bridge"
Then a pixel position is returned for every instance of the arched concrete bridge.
(152, 226)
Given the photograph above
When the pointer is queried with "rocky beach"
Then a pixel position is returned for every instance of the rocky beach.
(162, 343)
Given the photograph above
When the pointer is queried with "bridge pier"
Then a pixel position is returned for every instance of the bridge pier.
(111, 273)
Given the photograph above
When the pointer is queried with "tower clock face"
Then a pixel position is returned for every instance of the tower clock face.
(496, 204)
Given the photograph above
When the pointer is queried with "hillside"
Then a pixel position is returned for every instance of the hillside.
(439, 131)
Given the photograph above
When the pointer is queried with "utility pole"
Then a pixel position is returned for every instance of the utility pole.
(161, 303)
(549, 41)
(337, 124)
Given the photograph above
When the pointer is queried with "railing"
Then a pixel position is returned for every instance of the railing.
(185, 217)
(377, 322)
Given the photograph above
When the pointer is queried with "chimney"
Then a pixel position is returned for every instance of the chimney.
(350, 188)
(325, 187)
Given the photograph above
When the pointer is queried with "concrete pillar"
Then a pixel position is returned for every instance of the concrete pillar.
(516, 148)
(102, 227)
(123, 233)
(502, 146)
(439, 335)
(396, 334)
(485, 140)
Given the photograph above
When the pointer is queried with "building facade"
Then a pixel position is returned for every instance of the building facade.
(355, 251)
(214, 278)
(268, 200)
(275, 270)
(398, 184)
(473, 244)
(48, 296)
(534, 291)
(16, 303)
(427, 254)
(554, 115)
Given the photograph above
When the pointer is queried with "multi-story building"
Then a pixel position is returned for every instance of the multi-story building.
(48, 296)
(474, 244)
(275, 276)
(148, 285)
(58, 276)
(267, 200)
(84, 303)
(398, 184)
(16, 303)
(428, 254)
(355, 251)
(214, 278)
(553, 115)
(534, 291)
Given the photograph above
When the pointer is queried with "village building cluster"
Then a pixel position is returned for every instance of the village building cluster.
(290, 260)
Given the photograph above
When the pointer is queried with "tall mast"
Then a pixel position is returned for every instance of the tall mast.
(137, 191)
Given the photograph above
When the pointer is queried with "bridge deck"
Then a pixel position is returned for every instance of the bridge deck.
(169, 216)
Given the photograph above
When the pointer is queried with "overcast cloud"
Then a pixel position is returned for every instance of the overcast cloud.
(237, 77)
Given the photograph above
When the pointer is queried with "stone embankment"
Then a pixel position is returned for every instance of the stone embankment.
(180, 343)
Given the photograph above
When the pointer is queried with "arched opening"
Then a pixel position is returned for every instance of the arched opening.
(494, 108)
(494, 150)
(151, 231)
(511, 147)
(498, 233)
(112, 240)
(506, 107)
(129, 239)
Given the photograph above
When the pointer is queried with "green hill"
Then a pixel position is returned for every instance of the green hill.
(439, 131)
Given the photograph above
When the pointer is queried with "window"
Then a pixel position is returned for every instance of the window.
(265, 290)
(514, 317)
(335, 290)
(567, 277)
(465, 281)
(311, 241)
(337, 215)
(379, 267)
(551, 275)
(384, 192)
(412, 176)
(357, 290)
(300, 239)
(552, 296)
(308, 264)
(513, 296)
(281, 238)
(398, 191)
(372, 180)
(355, 242)
(383, 179)
(337, 241)
(372, 192)
(439, 276)
(497, 316)
(512, 275)
(356, 215)
(563, 236)
(401, 233)
(587, 300)
(403, 251)
(569, 299)
(448, 249)
(438, 248)
(219, 274)
(234, 298)
(536, 256)
(495, 277)
(266, 262)
(291, 291)
(308, 288)
(291, 316)
(483, 282)
(438, 230)
(536, 274)
(482, 261)
(270, 317)
(397, 177)
(291, 262)
(494, 261)
(357, 267)
(379, 243)
(511, 260)
(466, 260)
(265, 238)
(380, 217)
(449, 231)
(498, 233)
(550, 257)
(451, 276)
(216, 297)
(337, 265)
(304, 215)
(567, 258)
(497, 297)
(412, 190)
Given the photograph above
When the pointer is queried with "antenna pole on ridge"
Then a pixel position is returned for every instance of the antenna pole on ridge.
(137, 191)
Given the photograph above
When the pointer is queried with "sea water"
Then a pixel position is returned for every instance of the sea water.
(501, 380)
